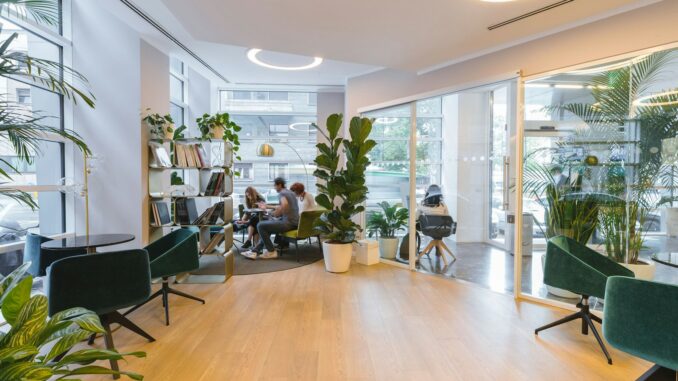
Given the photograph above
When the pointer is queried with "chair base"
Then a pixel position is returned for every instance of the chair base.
(164, 291)
(441, 248)
(587, 319)
(659, 373)
(296, 246)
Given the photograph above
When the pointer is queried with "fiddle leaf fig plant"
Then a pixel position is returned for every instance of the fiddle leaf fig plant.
(220, 126)
(341, 188)
(37, 347)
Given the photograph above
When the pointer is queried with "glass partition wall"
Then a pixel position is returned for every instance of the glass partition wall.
(600, 164)
(458, 165)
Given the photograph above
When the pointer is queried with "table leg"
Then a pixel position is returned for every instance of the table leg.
(91, 250)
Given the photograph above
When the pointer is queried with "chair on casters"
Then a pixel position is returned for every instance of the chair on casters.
(102, 283)
(437, 227)
(574, 267)
(640, 319)
(173, 254)
(40, 258)
(304, 230)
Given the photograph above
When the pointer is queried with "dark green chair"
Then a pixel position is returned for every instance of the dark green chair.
(102, 283)
(640, 319)
(173, 254)
(574, 267)
(304, 230)
(40, 258)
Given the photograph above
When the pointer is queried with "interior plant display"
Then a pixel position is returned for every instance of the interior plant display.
(341, 187)
(220, 126)
(22, 127)
(159, 126)
(36, 347)
(385, 224)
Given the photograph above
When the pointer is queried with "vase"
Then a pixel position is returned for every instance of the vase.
(337, 256)
(642, 269)
(388, 247)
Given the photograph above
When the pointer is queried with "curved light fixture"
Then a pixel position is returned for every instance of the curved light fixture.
(386, 120)
(642, 101)
(265, 150)
(295, 126)
(252, 56)
(610, 67)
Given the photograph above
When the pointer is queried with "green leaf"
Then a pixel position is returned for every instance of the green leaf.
(25, 371)
(12, 279)
(29, 322)
(67, 342)
(16, 298)
(88, 356)
(10, 355)
(93, 369)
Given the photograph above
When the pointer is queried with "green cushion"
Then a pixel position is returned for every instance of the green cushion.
(306, 222)
(103, 282)
(640, 318)
(574, 267)
(174, 253)
(291, 234)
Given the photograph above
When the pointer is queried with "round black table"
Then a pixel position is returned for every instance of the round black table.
(89, 243)
(669, 259)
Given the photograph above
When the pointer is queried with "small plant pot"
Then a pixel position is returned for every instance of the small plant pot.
(642, 269)
(337, 256)
(169, 134)
(217, 132)
(388, 247)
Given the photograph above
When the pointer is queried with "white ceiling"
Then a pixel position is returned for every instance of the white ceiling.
(359, 36)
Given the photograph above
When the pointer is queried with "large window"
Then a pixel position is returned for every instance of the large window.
(42, 177)
(178, 90)
(282, 119)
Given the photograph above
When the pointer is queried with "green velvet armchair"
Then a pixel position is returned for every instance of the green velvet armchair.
(574, 267)
(102, 283)
(640, 319)
(305, 230)
(173, 254)
(40, 258)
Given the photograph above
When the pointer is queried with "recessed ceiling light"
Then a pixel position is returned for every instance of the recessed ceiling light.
(298, 126)
(671, 98)
(386, 120)
(252, 56)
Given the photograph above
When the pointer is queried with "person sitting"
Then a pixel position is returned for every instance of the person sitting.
(251, 220)
(285, 218)
(431, 205)
(305, 199)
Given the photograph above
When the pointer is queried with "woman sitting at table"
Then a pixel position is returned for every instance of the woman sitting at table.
(252, 198)
(305, 199)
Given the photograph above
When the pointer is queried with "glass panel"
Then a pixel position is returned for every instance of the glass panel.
(498, 158)
(275, 102)
(176, 89)
(176, 66)
(599, 163)
(177, 113)
(54, 24)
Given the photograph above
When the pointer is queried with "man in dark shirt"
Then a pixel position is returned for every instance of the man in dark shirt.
(285, 218)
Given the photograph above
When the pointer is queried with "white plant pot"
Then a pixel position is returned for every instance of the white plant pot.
(559, 292)
(644, 270)
(337, 256)
(388, 247)
(671, 220)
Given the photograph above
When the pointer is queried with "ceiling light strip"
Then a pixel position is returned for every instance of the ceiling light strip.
(529, 14)
(167, 34)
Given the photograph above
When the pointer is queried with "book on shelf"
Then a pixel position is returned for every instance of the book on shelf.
(160, 213)
(215, 184)
(212, 215)
(216, 240)
(160, 155)
(186, 211)
(202, 155)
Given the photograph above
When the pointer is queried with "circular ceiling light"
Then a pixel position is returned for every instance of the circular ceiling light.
(252, 56)
(386, 120)
(296, 126)
(670, 98)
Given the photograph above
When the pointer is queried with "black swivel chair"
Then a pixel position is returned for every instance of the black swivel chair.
(103, 283)
(437, 227)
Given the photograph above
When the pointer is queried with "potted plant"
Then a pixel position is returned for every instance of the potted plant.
(220, 126)
(159, 127)
(341, 188)
(385, 224)
(36, 347)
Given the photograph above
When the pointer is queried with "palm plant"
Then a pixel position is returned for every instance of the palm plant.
(387, 222)
(23, 128)
(36, 347)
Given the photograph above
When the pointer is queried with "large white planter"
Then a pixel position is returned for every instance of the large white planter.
(644, 270)
(671, 220)
(555, 290)
(337, 256)
(388, 247)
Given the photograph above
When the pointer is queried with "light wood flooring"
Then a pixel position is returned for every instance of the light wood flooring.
(373, 323)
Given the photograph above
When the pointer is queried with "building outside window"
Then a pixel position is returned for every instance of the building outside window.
(282, 119)
(243, 172)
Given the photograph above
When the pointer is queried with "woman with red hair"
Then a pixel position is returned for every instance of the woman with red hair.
(305, 199)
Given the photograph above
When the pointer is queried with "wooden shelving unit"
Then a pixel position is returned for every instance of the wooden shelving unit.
(217, 157)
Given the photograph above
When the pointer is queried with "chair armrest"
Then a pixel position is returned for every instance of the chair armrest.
(182, 257)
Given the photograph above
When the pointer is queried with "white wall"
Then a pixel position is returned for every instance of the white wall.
(639, 29)
(107, 52)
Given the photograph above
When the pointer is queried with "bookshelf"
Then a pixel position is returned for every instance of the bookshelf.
(190, 183)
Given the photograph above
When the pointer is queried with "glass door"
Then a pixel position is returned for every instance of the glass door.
(499, 165)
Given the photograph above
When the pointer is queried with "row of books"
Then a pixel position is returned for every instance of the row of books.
(160, 214)
(212, 216)
(190, 155)
(187, 213)
(215, 185)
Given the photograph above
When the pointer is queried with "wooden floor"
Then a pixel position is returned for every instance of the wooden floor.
(373, 323)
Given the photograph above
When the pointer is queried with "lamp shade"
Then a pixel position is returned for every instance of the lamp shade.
(265, 150)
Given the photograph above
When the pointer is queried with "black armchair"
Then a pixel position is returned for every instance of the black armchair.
(437, 227)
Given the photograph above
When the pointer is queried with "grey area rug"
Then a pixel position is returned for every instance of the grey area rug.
(214, 265)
